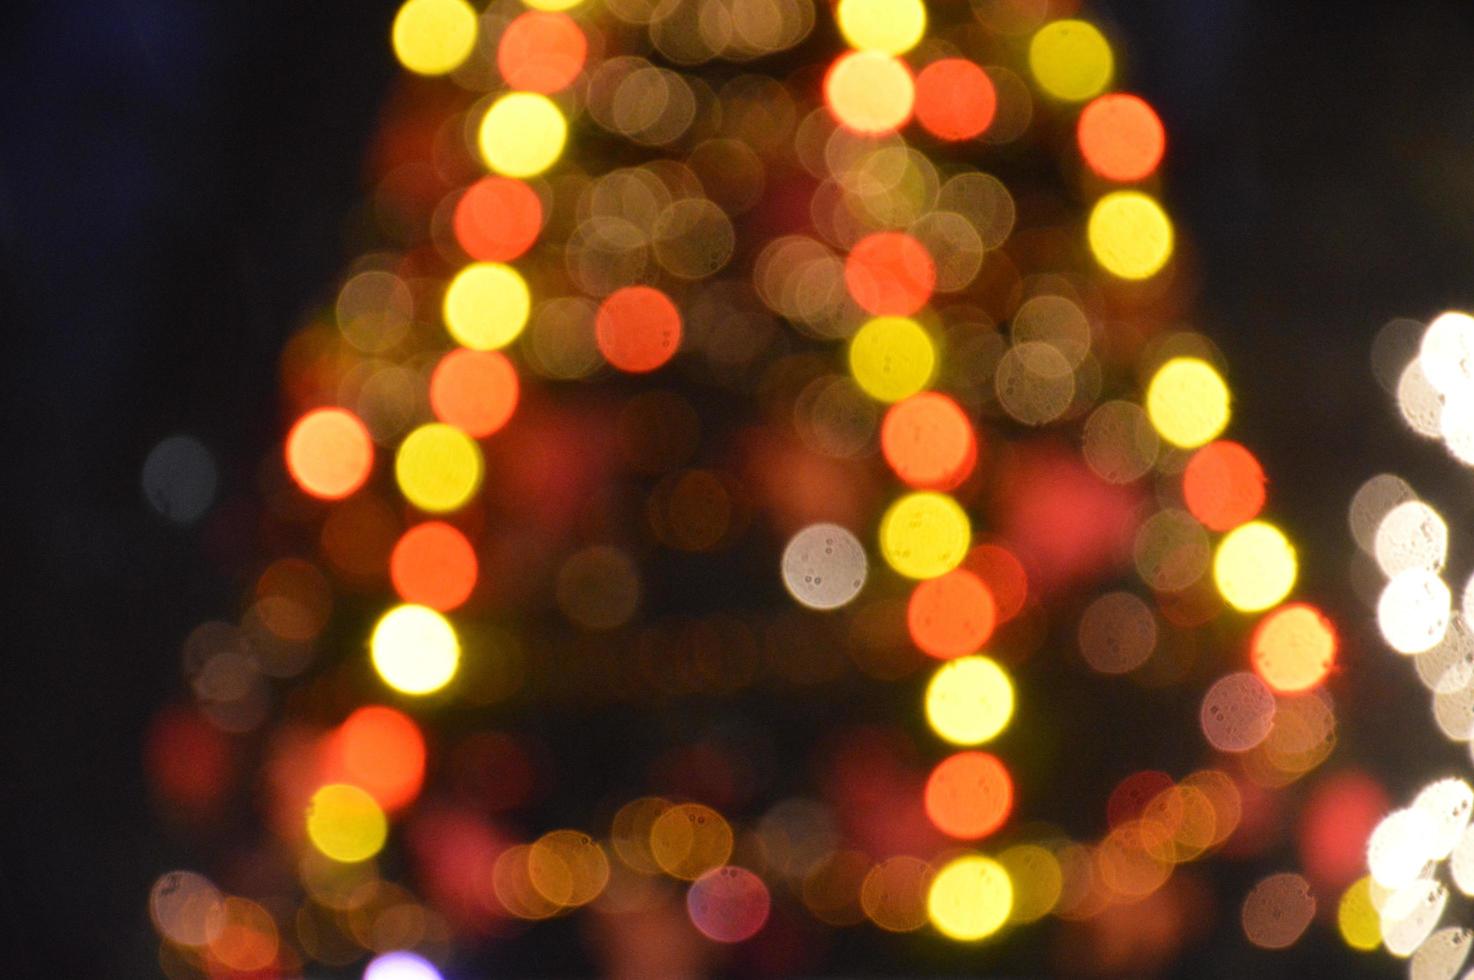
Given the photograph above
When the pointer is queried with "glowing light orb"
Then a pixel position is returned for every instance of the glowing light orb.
(1293, 648)
(955, 99)
(433, 565)
(951, 615)
(329, 453)
(925, 534)
(475, 391)
(400, 966)
(1223, 485)
(541, 52)
(522, 134)
(1356, 917)
(892, 358)
(1121, 137)
(1130, 235)
(1255, 566)
(497, 219)
(970, 898)
(381, 751)
(1187, 402)
(1413, 611)
(345, 823)
(438, 467)
(870, 92)
(415, 649)
(969, 700)
(1071, 60)
(824, 566)
(929, 441)
(638, 329)
(433, 37)
(888, 26)
(486, 305)
(969, 795)
(728, 904)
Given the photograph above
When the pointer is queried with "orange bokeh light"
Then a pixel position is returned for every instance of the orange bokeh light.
(433, 565)
(475, 391)
(955, 99)
(1223, 485)
(497, 219)
(382, 752)
(890, 273)
(329, 453)
(638, 329)
(969, 795)
(952, 615)
(1004, 575)
(1121, 137)
(541, 51)
(929, 442)
(1293, 648)
(869, 92)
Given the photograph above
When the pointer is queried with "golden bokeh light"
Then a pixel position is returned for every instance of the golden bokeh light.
(486, 305)
(438, 468)
(925, 534)
(1187, 402)
(433, 37)
(970, 898)
(1255, 566)
(345, 823)
(1130, 235)
(415, 649)
(522, 134)
(1071, 60)
(969, 700)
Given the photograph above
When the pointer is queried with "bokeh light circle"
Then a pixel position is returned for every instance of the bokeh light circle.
(486, 305)
(345, 823)
(1187, 402)
(522, 134)
(969, 700)
(888, 26)
(970, 898)
(728, 904)
(824, 566)
(438, 468)
(889, 273)
(1130, 235)
(955, 99)
(951, 615)
(638, 329)
(415, 649)
(1255, 566)
(433, 37)
(892, 358)
(497, 219)
(1071, 60)
(1121, 137)
(969, 795)
(400, 965)
(929, 441)
(870, 92)
(924, 534)
(1293, 648)
(433, 565)
(475, 391)
(541, 52)
(329, 453)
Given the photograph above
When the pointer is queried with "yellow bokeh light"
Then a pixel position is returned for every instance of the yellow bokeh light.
(1037, 881)
(870, 92)
(1071, 60)
(888, 26)
(970, 898)
(438, 468)
(1187, 402)
(969, 700)
(522, 134)
(345, 823)
(433, 37)
(415, 649)
(892, 358)
(552, 4)
(1357, 918)
(1130, 235)
(1255, 566)
(926, 534)
(486, 305)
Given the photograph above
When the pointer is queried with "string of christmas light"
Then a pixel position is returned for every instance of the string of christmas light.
(741, 225)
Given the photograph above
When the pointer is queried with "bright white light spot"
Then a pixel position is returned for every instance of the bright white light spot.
(1447, 803)
(1413, 611)
(1446, 354)
(824, 566)
(1420, 403)
(1398, 849)
(1410, 914)
(1411, 535)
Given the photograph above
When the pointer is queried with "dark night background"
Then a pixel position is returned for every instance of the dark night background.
(174, 182)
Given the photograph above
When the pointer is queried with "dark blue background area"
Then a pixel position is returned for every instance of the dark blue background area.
(174, 179)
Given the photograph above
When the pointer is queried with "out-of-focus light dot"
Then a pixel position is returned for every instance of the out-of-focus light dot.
(1237, 712)
(928, 441)
(1277, 911)
(1037, 881)
(970, 898)
(1371, 502)
(889, 273)
(1446, 353)
(1420, 403)
(400, 966)
(486, 305)
(870, 92)
(951, 615)
(1121, 137)
(969, 700)
(888, 26)
(925, 534)
(1070, 60)
(892, 358)
(1413, 611)
(179, 479)
(345, 823)
(1399, 846)
(568, 868)
(497, 219)
(433, 37)
(552, 4)
(1447, 803)
(415, 650)
(248, 940)
(475, 391)
(382, 751)
(824, 566)
(522, 134)
(186, 908)
(1461, 863)
(893, 894)
(969, 795)
(329, 453)
(433, 565)
(1293, 648)
(1442, 955)
(438, 467)
(1118, 633)
(1223, 485)
(689, 840)
(1409, 915)
(541, 52)
(728, 904)
(1356, 917)
(1187, 402)
(638, 329)
(1410, 535)
(955, 99)
(1130, 235)
(1255, 566)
